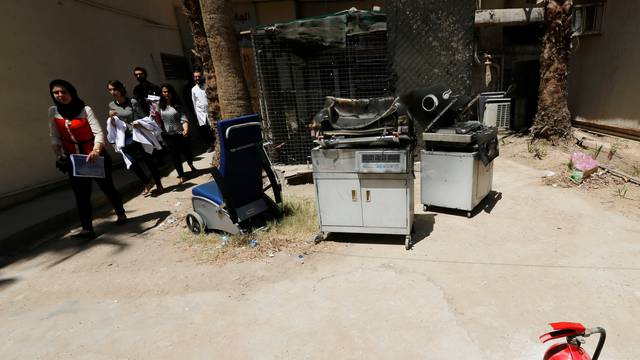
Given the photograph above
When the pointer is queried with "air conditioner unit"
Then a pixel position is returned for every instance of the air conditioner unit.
(497, 113)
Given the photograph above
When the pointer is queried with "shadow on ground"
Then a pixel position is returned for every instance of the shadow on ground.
(67, 247)
(7, 282)
(487, 204)
(422, 228)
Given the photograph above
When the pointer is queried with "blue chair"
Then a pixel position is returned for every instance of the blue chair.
(236, 194)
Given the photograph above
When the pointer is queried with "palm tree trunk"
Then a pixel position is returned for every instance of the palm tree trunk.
(234, 97)
(553, 119)
(193, 12)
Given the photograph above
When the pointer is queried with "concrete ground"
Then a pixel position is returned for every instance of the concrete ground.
(479, 288)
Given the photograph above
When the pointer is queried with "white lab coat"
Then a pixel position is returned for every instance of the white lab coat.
(116, 135)
(148, 134)
(200, 104)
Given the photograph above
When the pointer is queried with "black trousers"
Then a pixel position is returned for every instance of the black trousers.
(179, 145)
(206, 134)
(82, 190)
(137, 154)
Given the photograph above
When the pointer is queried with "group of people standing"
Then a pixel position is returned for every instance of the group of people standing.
(75, 129)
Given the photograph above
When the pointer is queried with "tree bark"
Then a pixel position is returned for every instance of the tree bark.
(234, 97)
(193, 12)
(553, 119)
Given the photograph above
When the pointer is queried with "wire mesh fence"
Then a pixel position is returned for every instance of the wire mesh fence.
(293, 81)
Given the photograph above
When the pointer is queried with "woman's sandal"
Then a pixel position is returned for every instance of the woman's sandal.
(147, 189)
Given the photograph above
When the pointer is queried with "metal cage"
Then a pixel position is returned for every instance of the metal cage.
(293, 81)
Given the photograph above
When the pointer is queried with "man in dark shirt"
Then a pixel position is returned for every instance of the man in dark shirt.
(144, 88)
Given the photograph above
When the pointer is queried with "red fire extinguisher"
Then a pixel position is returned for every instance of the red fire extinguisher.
(575, 334)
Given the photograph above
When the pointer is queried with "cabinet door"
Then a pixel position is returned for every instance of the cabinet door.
(384, 203)
(339, 202)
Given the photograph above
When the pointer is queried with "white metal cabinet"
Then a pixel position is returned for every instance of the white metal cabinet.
(454, 180)
(384, 202)
(369, 195)
(340, 203)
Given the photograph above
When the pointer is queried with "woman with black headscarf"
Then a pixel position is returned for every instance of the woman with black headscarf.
(74, 129)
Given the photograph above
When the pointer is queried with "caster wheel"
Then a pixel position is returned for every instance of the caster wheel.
(195, 223)
(407, 242)
(468, 214)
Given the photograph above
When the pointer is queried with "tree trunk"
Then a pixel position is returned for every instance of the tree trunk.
(193, 12)
(234, 97)
(553, 119)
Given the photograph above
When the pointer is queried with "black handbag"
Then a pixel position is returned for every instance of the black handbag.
(63, 163)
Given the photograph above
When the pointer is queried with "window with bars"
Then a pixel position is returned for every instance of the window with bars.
(587, 19)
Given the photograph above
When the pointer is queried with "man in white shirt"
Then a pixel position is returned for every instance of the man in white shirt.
(201, 108)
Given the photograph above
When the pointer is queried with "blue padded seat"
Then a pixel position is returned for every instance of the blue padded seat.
(209, 191)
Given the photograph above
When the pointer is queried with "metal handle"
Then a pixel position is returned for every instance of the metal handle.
(368, 195)
(353, 196)
(603, 336)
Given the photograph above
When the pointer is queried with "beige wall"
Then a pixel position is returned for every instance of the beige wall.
(269, 12)
(604, 75)
(86, 45)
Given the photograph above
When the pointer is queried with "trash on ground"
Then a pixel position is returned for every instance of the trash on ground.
(253, 243)
(170, 219)
(584, 163)
(548, 173)
(577, 176)
(301, 259)
(224, 239)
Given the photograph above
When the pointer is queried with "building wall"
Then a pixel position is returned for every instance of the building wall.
(604, 76)
(86, 43)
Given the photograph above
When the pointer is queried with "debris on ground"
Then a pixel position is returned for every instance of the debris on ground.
(618, 164)
(303, 177)
(583, 166)
(288, 234)
(621, 174)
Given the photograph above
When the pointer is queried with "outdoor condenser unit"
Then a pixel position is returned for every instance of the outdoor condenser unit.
(494, 109)
(497, 113)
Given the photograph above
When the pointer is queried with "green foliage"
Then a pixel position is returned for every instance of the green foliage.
(596, 152)
(621, 191)
(613, 150)
(538, 150)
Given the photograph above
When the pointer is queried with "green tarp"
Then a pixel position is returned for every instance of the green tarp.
(329, 30)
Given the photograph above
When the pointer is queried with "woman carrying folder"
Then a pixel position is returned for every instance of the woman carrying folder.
(74, 129)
